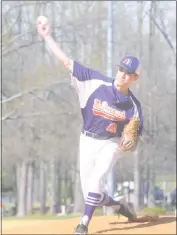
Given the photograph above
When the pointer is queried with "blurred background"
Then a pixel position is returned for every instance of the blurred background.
(41, 119)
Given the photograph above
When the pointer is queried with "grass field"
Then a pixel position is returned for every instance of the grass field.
(41, 217)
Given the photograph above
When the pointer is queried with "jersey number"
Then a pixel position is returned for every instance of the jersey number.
(112, 128)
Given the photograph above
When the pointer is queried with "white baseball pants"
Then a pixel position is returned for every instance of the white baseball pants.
(97, 157)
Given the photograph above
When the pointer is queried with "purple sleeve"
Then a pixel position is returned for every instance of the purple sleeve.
(83, 77)
(83, 74)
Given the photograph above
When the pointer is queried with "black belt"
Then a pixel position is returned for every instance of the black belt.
(94, 135)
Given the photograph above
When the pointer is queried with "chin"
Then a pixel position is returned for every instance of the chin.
(120, 84)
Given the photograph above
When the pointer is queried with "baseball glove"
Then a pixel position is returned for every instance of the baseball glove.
(130, 135)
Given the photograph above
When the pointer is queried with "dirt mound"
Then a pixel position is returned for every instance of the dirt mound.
(98, 225)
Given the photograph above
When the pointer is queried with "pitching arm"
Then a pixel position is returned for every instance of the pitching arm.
(65, 60)
(44, 30)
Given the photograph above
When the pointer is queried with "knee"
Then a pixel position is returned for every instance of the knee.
(85, 193)
(94, 185)
(84, 190)
(91, 187)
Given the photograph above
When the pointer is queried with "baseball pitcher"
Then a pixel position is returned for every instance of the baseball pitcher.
(112, 122)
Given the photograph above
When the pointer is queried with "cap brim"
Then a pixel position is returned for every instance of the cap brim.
(130, 71)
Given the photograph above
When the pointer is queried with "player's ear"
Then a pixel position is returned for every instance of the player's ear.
(136, 76)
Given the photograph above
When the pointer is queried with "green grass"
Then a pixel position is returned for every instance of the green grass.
(37, 216)
(41, 217)
(170, 186)
(155, 210)
(170, 180)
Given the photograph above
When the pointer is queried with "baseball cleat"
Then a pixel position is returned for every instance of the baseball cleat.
(81, 229)
(127, 210)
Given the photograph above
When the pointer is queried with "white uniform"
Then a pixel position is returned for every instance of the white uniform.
(105, 111)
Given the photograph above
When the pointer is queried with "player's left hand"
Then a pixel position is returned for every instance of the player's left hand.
(130, 135)
(127, 145)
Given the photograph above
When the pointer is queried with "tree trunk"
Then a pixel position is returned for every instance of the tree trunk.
(65, 186)
(53, 186)
(72, 191)
(151, 201)
(78, 194)
(36, 188)
(142, 181)
(22, 183)
(137, 179)
(43, 187)
(140, 28)
(30, 187)
(151, 74)
(58, 193)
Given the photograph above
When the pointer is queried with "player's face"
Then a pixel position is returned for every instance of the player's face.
(125, 79)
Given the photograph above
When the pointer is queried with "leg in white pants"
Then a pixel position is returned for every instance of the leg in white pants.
(97, 157)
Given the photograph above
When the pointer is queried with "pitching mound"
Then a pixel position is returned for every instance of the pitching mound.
(98, 225)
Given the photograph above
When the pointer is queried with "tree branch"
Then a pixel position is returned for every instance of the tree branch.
(162, 32)
(29, 115)
(29, 91)
(7, 116)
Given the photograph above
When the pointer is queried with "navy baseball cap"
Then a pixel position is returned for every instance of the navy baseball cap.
(131, 64)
